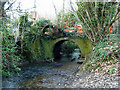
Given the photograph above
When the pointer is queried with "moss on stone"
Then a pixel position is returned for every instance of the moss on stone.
(48, 46)
(84, 45)
(36, 49)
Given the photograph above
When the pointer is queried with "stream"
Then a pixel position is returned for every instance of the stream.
(44, 75)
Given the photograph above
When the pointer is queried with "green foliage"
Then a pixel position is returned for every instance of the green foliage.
(43, 22)
(104, 51)
(96, 19)
(111, 71)
(32, 31)
(69, 19)
(10, 57)
(68, 47)
(42, 49)
(35, 28)
(107, 49)
(6, 73)
(24, 23)
(18, 69)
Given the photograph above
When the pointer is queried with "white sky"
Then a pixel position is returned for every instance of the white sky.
(44, 8)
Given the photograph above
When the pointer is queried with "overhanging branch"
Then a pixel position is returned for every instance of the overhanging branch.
(10, 5)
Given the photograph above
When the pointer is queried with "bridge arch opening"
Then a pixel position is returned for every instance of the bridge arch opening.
(63, 47)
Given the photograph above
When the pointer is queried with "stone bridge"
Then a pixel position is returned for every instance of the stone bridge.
(43, 48)
(50, 48)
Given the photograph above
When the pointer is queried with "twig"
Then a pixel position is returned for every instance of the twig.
(103, 8)
(75, 13)
(10, 5)
(98, 25)
(115, 17)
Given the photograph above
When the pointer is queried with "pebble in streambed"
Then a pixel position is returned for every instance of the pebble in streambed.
(43, 76)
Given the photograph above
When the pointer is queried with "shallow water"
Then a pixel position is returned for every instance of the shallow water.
(47, 75)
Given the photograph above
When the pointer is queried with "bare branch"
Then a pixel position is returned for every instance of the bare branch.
(115, 17)
(10, 5)
(88, 27)
(55, 9)
(103, 8)
(63, 13)
(98, 25)
(75, 13)
(85, 21)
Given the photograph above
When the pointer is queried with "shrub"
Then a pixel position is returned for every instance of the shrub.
(104, 51)
(10, 56)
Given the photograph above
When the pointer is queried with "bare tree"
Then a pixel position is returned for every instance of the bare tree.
(97, 17)
(56, 13)
(73, 10)
(63, 14)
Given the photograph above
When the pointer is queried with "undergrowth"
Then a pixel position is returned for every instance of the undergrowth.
(104, 52)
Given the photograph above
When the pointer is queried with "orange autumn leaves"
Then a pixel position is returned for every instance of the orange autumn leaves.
(110, 30)
(77, 28)
(51, 30)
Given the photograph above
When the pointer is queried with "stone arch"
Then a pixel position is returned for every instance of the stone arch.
(49, 45)
(83, 44)
(57, 48)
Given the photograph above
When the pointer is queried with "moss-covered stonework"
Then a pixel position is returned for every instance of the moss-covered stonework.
(49, 44)
(36, 49)
(84, 45)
